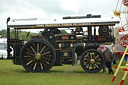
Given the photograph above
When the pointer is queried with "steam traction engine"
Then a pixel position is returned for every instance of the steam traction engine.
(52, 48)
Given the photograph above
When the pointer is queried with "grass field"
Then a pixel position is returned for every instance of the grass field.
(63, 75)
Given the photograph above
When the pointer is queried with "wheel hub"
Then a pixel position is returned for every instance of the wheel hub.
(37, 56)
(92, 61)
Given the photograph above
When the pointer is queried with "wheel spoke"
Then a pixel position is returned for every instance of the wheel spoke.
(27, 56)
(98, 60)
(97, 57)
(91, 54)
(88, 55)
(42, 49)
(46, 58)
(30, 62)
(47, 49)
(99, 63)
(33, 49)
(96, 65)
(93, 67)
(29, 53)
(38, 48)
(34, 66)
(87, 65)
(90, 67)
(46, 53)
(34, 46)
(94, 55)
(86, 62)
(86, 59)
(46, 62)
(41, 65)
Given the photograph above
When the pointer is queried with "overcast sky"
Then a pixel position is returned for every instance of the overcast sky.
(52, 9)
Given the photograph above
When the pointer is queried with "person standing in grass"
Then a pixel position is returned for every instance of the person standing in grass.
(108, 59)
(104, 66)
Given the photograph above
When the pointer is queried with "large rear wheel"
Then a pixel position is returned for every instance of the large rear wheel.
(37, 55)
(92, 61)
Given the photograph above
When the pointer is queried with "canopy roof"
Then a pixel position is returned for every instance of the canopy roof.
(34, 24)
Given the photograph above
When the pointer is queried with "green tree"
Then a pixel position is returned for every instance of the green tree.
(63, 32)
(3, 33)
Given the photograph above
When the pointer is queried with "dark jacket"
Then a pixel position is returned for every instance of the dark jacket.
(108, 55)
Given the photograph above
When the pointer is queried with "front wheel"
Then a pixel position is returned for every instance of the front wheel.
(92, 61)
(37, 55)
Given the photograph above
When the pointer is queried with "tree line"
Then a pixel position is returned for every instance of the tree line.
(21, 34)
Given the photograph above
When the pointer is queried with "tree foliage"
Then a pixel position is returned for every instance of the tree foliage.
(3, 33)
(63, 32)
(22, 35)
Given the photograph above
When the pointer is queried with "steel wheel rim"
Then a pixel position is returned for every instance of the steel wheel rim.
(38, 56)
(92, 61)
